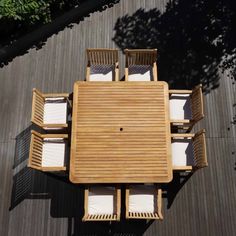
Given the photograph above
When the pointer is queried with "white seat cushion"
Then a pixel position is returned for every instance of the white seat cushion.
(55, 113)
(180, 107)
(101, 200)
(182, 152)
(53, 153)
(102, 73)
(140, 73)
(142, 198)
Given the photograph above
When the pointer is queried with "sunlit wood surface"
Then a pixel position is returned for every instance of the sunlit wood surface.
(120, 133)
(43, 205)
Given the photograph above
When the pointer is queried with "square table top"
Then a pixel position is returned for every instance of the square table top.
(120, 133)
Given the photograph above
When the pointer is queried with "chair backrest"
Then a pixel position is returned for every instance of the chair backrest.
(102, 217)
(37, 107)
(36, 151)
(157, 214)
(197, 104)
(199, 149)
(141, 57)
(102, 56)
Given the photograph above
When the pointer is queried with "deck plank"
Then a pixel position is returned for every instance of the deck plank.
(206, 203)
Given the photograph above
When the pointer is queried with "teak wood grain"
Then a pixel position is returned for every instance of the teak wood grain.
(120, 133)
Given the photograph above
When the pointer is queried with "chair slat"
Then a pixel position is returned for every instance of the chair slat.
(37, 153)
(38, 142)
(37, 158)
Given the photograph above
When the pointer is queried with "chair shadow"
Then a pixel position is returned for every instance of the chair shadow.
(32, 184)
(67, 199)
(124, 227)
(189, 39)
(19, 43)
(171, 189)
(22, 145)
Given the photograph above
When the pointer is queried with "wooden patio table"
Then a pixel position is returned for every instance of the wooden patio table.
(120, 133)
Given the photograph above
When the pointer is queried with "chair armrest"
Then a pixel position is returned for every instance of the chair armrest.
(53, 168)
(183, 135)
(54, 135)
(55, 95)
(54, 125)
(159, 203)
(118, 203)
(180, 121)
(179, 91)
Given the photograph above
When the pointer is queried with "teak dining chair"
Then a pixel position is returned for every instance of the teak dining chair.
(141, 65)
(186, 107)
(48, 152)
(143, 202)
(102, 64)
(102, 203)
(189, 151)
(49, 111)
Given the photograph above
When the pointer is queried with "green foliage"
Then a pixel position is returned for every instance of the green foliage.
(27, 11)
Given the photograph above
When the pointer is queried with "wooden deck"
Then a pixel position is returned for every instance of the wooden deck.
(33, 203)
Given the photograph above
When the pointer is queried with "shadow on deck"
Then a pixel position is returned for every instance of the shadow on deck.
(67, 199)
(192, 37)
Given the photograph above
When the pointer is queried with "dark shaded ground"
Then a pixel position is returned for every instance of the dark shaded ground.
(193, 38)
